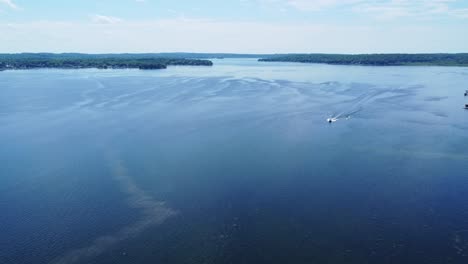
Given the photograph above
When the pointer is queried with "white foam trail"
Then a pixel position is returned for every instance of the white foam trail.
(357, 106)
(347, 115)
(153, 213)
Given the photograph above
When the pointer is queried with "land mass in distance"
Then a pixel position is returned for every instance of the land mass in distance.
(428, 59)
(99, 61)
(162, 60)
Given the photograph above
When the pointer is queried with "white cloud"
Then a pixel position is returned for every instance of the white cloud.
(461, 13)
(9, 3)
(406, 8)
(316, 5)
(100, 19)
(303, 5)
(382, 9)
(196, 35)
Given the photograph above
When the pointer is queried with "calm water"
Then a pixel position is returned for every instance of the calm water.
(234, 164)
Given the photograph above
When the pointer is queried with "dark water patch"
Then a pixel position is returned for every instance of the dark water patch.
(440, 114)
(435, 98)
(49, 208)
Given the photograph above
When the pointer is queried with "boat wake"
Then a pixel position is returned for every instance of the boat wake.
(354, 106)
(343, 115)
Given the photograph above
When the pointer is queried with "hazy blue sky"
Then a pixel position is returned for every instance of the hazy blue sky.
(242, 26)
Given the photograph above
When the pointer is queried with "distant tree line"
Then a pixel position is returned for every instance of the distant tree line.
(440, 59)
(172, 55)
(79, 61)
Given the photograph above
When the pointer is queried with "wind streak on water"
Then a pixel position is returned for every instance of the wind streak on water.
(153, 213)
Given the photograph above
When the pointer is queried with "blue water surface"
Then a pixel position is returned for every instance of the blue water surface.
(234, 163)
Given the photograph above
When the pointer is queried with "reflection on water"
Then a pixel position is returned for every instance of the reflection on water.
(234, 164)
(153, 213)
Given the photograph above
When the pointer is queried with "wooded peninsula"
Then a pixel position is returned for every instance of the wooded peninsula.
(99, 61)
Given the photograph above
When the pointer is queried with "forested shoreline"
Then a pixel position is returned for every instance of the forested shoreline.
(436, 59)
(151, 61)
(82, 61)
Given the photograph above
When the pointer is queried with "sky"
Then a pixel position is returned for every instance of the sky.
(235, 26)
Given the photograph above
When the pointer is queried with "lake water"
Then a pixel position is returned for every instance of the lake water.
(234, 163)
